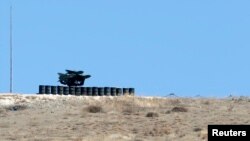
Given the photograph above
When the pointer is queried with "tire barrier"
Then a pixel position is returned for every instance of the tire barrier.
(118, 91)
(85, 91)
(89, 91)
(107, 91)
(47, 89)
(125, 91)
(95, 91)
(78, 90)
(113, 91)
(60, 90)
(53, 89)
(66, 90)
(41, 89)
(72, 90)
(131, 91)
(101, 91)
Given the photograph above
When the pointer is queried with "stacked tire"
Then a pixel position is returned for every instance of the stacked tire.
(85, 91)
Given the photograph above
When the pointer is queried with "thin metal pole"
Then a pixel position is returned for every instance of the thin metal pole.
(11, 65)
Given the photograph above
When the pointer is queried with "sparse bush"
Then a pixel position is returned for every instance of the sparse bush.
(33, 124)
(94, 109)
(152, 114)
(206, 102)
(179, 109)
(16, 107)
(138, 140)
(157, 131)
(168, 112)
(197, 129)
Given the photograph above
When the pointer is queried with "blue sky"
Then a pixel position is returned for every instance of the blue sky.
(159, 47)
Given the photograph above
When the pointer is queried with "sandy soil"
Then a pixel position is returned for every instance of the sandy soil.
(124, 118)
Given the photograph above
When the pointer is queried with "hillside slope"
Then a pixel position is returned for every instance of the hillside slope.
(124, 118)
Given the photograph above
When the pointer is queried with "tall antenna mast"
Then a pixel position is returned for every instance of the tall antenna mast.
(11, 65)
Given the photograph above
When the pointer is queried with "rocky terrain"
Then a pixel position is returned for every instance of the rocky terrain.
(123, 118)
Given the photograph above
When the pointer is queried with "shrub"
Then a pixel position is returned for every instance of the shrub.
(152, 114)
(197, 129)
(168, 112)
(94, 109)
(179, 109)
(206, 102)
(16, 107)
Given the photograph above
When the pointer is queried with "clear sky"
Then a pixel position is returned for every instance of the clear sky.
(186, 47)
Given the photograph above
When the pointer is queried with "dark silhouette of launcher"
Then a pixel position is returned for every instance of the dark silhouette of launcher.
(73, 78)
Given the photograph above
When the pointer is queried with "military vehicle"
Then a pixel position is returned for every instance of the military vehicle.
(74, 80)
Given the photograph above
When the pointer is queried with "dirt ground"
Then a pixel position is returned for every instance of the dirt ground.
(123, 118)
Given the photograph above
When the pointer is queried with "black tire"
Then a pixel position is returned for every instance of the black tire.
(54, 90)
(78, 91)
(125, 91)
(83, 91)
(119, 91)
(113, 91)
(72, 91)
(66, 90)
(101, 91)
(95, 91)
(47, 89)
(89, 91)
(107, 91)
(60, 90)
(41, 89)
(131, 91)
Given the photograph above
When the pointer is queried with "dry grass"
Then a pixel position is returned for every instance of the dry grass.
(33, 124)
(230, 108)
(4, 125)
(157, 132)
(128, 111)
(2, 111)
